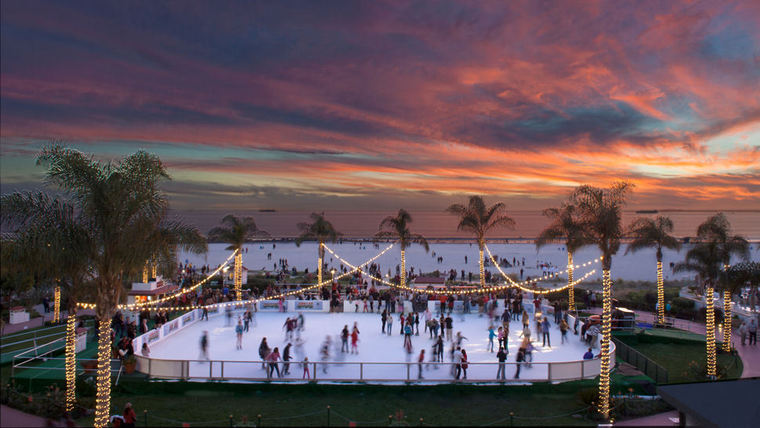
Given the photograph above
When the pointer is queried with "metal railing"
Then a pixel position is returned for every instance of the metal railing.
(372, 372)
(641, 362)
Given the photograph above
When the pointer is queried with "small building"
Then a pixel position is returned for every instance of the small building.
(142, 292)
(732, 403)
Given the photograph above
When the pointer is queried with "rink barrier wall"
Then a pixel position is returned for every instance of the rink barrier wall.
(367, 372)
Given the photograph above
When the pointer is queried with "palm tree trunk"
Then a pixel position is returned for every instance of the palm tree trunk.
(103, 382)
(571, 289)
(57, 305)
(145, 274)
(660, 294)
(238, 277)
(320, 257)
(727, 321)
(403, 268)
(482, 270)
(154, 270)
(71, 361)
(710, 333)
(604, 373)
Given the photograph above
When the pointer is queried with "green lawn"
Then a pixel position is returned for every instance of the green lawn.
(293, 405)
(675, 358)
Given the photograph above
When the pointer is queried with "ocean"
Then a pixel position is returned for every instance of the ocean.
(439, 225)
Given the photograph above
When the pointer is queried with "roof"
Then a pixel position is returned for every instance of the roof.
(168, 288)
(716, 404)
(429, 280)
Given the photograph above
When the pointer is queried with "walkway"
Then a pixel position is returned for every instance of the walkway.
(10, 417)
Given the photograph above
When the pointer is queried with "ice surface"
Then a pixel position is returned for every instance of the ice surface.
(373, 347)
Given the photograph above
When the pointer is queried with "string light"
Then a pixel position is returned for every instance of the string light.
(71, 362)
(57, 304)
(570, 290)
(710, 333)
(604, 373)
(179, 293)
(660, 294)
(521, 285)
(727, 317)
(238, 280)
(476, 291)
(103, 383)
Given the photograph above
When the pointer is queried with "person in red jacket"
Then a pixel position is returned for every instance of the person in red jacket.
(129, 416)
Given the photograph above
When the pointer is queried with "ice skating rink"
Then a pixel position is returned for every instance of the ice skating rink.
(382, 356)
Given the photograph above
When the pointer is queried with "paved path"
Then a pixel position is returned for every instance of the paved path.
(659, 420)
(10, 417)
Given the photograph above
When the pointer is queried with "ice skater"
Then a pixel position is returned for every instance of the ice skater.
(389, 327)
(491, 335)
(344, 339)
(305, 363)
(355, 339)
(325, 353)
(239, 333)
(263, 352)
(286, 357)
(204, 346)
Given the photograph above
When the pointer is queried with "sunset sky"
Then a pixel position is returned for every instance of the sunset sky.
(369, 105)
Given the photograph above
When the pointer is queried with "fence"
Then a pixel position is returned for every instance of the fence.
(366, 372)
(641, 362)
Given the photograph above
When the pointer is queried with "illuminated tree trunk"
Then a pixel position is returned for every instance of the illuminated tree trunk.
(238, 277)
(320, 262)
(660, 294)
(403, 268)
(604, 373)
(145, 274)
(154, 270)
(727, 321)
(57, 305)
(570, 289)
(482, 270)
(103, 382)
(71, 361)
(710, 333)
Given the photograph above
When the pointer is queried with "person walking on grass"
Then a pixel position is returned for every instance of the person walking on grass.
(501, 356)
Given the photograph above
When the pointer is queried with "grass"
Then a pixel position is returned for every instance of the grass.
(675, 358)
(295, 405)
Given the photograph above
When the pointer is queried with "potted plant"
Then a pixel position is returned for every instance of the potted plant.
(130, 363)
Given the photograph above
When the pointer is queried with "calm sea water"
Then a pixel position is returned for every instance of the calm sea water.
(441, 225)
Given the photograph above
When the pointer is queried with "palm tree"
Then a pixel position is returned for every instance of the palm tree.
(705, 260)
(649, 233)
(718, 229)
(120, 209)
(565, 224)
(601, 214)
(51, 243)
(236, 231)
(478, 219)
(398, 227)
(319, 230)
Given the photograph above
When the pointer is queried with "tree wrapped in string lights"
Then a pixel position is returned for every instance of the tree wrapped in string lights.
(319, 230)
(565, 225)
(655, 233)
(398, 227)
(479, 219)
(601, 215)
(50, 242)
(717, 229)
(120, 215)
(236, 231)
